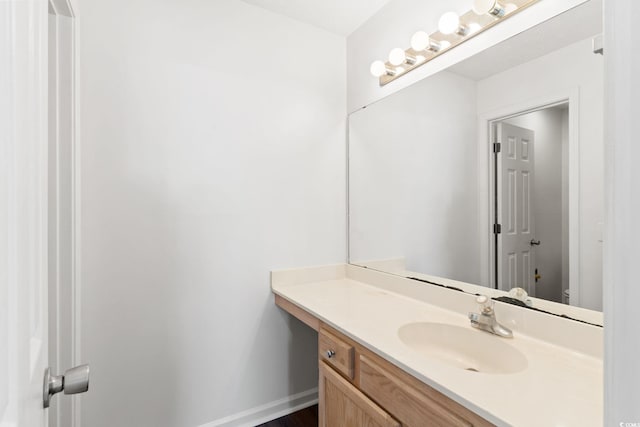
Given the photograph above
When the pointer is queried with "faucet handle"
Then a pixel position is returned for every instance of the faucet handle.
(485, 303)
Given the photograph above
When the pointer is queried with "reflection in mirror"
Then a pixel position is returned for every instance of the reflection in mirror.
(491, 173)
(531, 198)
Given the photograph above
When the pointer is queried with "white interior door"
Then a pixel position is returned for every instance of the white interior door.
(23, 212)
(516, 256)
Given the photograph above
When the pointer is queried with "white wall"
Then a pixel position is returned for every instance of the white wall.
(396, 22)
(413, 178)
(568, 69)
(622, 293)
(212, 152)
(548, 205)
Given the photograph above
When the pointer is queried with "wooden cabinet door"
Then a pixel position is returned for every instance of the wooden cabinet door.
(343, 405)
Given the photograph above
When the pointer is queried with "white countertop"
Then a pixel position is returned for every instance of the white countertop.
(560, 386)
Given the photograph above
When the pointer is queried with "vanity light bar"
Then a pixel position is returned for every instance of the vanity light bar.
(453, 30)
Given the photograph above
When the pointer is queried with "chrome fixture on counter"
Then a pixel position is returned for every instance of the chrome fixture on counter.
(486, 319)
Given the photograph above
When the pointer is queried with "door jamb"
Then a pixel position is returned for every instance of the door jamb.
(64, 8)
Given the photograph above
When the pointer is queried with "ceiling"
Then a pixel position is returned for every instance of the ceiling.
(341, 17)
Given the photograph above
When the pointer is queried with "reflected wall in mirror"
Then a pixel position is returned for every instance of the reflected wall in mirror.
(432, 197)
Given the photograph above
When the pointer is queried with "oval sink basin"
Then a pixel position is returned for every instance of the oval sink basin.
(464, 348)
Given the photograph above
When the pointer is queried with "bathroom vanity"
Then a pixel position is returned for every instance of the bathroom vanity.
(350, 374)
(394, 352)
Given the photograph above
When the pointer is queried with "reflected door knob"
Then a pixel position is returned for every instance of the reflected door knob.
(535, 242)
(74, 381)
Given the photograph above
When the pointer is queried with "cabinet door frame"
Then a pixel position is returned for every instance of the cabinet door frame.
(362, 402)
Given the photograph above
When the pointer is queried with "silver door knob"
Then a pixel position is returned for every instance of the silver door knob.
(74, 380)
(534, 242)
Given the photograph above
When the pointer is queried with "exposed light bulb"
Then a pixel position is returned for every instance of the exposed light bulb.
(378, 68)
(450, 23)
(421, 41)
(397, 56)
(491, 7)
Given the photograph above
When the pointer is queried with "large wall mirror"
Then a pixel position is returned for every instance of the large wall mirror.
(490, 174)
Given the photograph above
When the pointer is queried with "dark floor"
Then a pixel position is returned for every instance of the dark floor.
(304, 418)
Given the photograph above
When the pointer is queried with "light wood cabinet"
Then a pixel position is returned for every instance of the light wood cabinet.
(336, 352)
(356, 384)
(358, 388)
(343, 405)
(414, 406)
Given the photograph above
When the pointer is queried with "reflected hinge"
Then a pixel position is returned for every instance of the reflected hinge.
(598, 45)
(497, 147)
(497, 228)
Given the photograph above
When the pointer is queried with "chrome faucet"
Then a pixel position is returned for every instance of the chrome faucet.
(486, 319)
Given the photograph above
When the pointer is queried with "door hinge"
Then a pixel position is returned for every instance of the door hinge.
(497, 228)
(598, 45)
(497, 147)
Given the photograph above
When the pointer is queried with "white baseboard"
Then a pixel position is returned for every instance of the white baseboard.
(267, 412)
